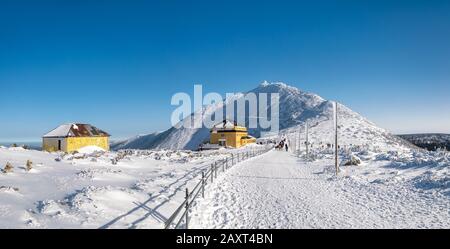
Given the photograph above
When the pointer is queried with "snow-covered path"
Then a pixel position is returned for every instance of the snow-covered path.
(279, 190)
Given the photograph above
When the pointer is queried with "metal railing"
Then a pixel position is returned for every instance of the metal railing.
(182, 212)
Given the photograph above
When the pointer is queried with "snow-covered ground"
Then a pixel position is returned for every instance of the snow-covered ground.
(91, 190)
(409, 189)
(401, 188)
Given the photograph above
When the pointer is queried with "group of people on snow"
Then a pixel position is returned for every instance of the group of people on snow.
(282, 145)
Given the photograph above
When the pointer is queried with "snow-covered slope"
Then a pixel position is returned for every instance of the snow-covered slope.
(132, 142)
(296, 108)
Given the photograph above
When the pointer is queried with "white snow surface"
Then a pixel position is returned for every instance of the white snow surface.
(86, 190)
(282, 190)
(60, 131)
(90, 149)
(389, 189)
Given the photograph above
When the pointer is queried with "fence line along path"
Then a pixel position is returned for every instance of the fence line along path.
(280, 190)
(180, 218)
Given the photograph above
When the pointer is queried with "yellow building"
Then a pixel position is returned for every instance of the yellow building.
(230, 135)
(72, 137)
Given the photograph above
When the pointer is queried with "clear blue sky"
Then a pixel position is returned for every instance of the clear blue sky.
(116, 64)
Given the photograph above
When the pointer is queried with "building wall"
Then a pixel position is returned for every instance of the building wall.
(248, 141)
(74, 143)
(233, 138)
(51, 144)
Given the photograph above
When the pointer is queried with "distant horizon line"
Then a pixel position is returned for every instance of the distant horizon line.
(33, 140)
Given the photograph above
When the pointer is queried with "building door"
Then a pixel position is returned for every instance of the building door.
(222, 142)
(59, 144)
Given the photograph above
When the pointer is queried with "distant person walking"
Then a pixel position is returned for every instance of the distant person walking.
(284, 144)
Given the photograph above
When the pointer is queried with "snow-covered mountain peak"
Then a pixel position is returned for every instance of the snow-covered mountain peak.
(274, 86)
(264, 83)
(296, 108)
(288, 92)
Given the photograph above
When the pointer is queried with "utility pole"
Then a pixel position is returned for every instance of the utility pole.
(299, 142)
(307, 142)
(336, 137)
(295, 145)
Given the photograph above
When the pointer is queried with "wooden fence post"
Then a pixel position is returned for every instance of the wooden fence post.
(203, 184)
(212, 173)
(187, 208)
(215, 169)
